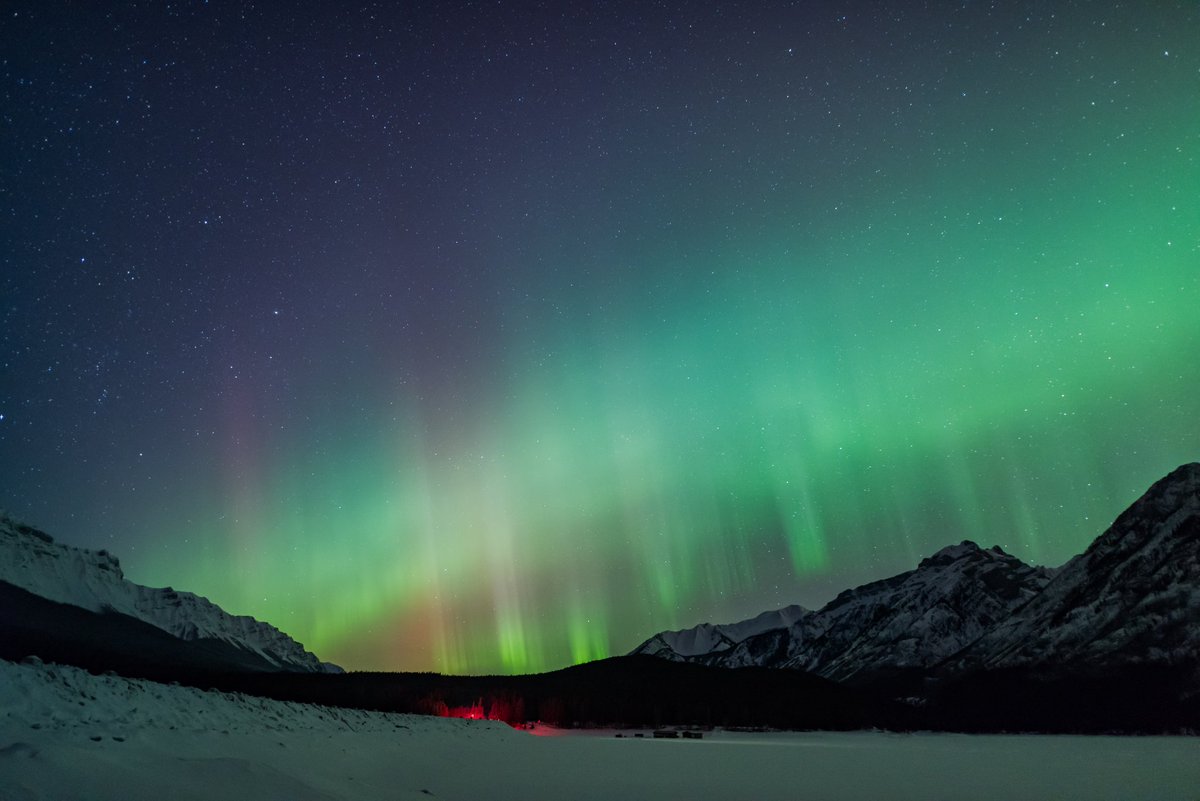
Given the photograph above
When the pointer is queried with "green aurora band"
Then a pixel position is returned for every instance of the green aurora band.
(664, 465)
(980, 322)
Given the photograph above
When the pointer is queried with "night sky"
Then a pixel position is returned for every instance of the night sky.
(494, 337)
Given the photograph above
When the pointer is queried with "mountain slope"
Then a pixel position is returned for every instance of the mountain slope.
(1132, 598)
(93, 580)
(110, 641)
(918, 618)
(910, 621)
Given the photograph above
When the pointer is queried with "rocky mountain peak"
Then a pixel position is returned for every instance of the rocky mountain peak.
(965, 550)
(911, 620)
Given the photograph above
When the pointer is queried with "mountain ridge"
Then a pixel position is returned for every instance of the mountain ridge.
(31, 560)
(911, 620)
(1132, 598)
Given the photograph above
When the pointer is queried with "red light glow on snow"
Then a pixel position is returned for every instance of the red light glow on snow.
(474, 712)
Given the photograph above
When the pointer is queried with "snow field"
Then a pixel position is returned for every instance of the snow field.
(65, 734)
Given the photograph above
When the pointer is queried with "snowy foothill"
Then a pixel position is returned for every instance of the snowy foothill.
(67, 734)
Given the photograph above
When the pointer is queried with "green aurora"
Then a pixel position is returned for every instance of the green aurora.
(1009, 362)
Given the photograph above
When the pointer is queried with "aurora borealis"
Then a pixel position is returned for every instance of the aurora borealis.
(492, 338)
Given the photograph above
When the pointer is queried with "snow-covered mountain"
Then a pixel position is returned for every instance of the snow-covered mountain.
(1132, 598)
(93, 580)
(913, 620)
(709, 637)
(918, 618)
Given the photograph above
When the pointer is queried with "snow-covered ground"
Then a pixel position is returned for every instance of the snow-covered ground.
(65, 734)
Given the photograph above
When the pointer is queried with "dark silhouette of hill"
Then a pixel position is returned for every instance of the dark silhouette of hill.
(57, 632)
(635, 691)
(631, 690)
(1142, 699)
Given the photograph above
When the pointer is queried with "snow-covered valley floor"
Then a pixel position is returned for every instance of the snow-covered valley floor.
(65, 734)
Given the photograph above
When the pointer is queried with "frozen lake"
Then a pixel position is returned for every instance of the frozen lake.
(862, 765)
(470, 762)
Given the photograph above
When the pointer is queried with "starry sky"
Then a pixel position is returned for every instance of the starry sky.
(494, 337)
